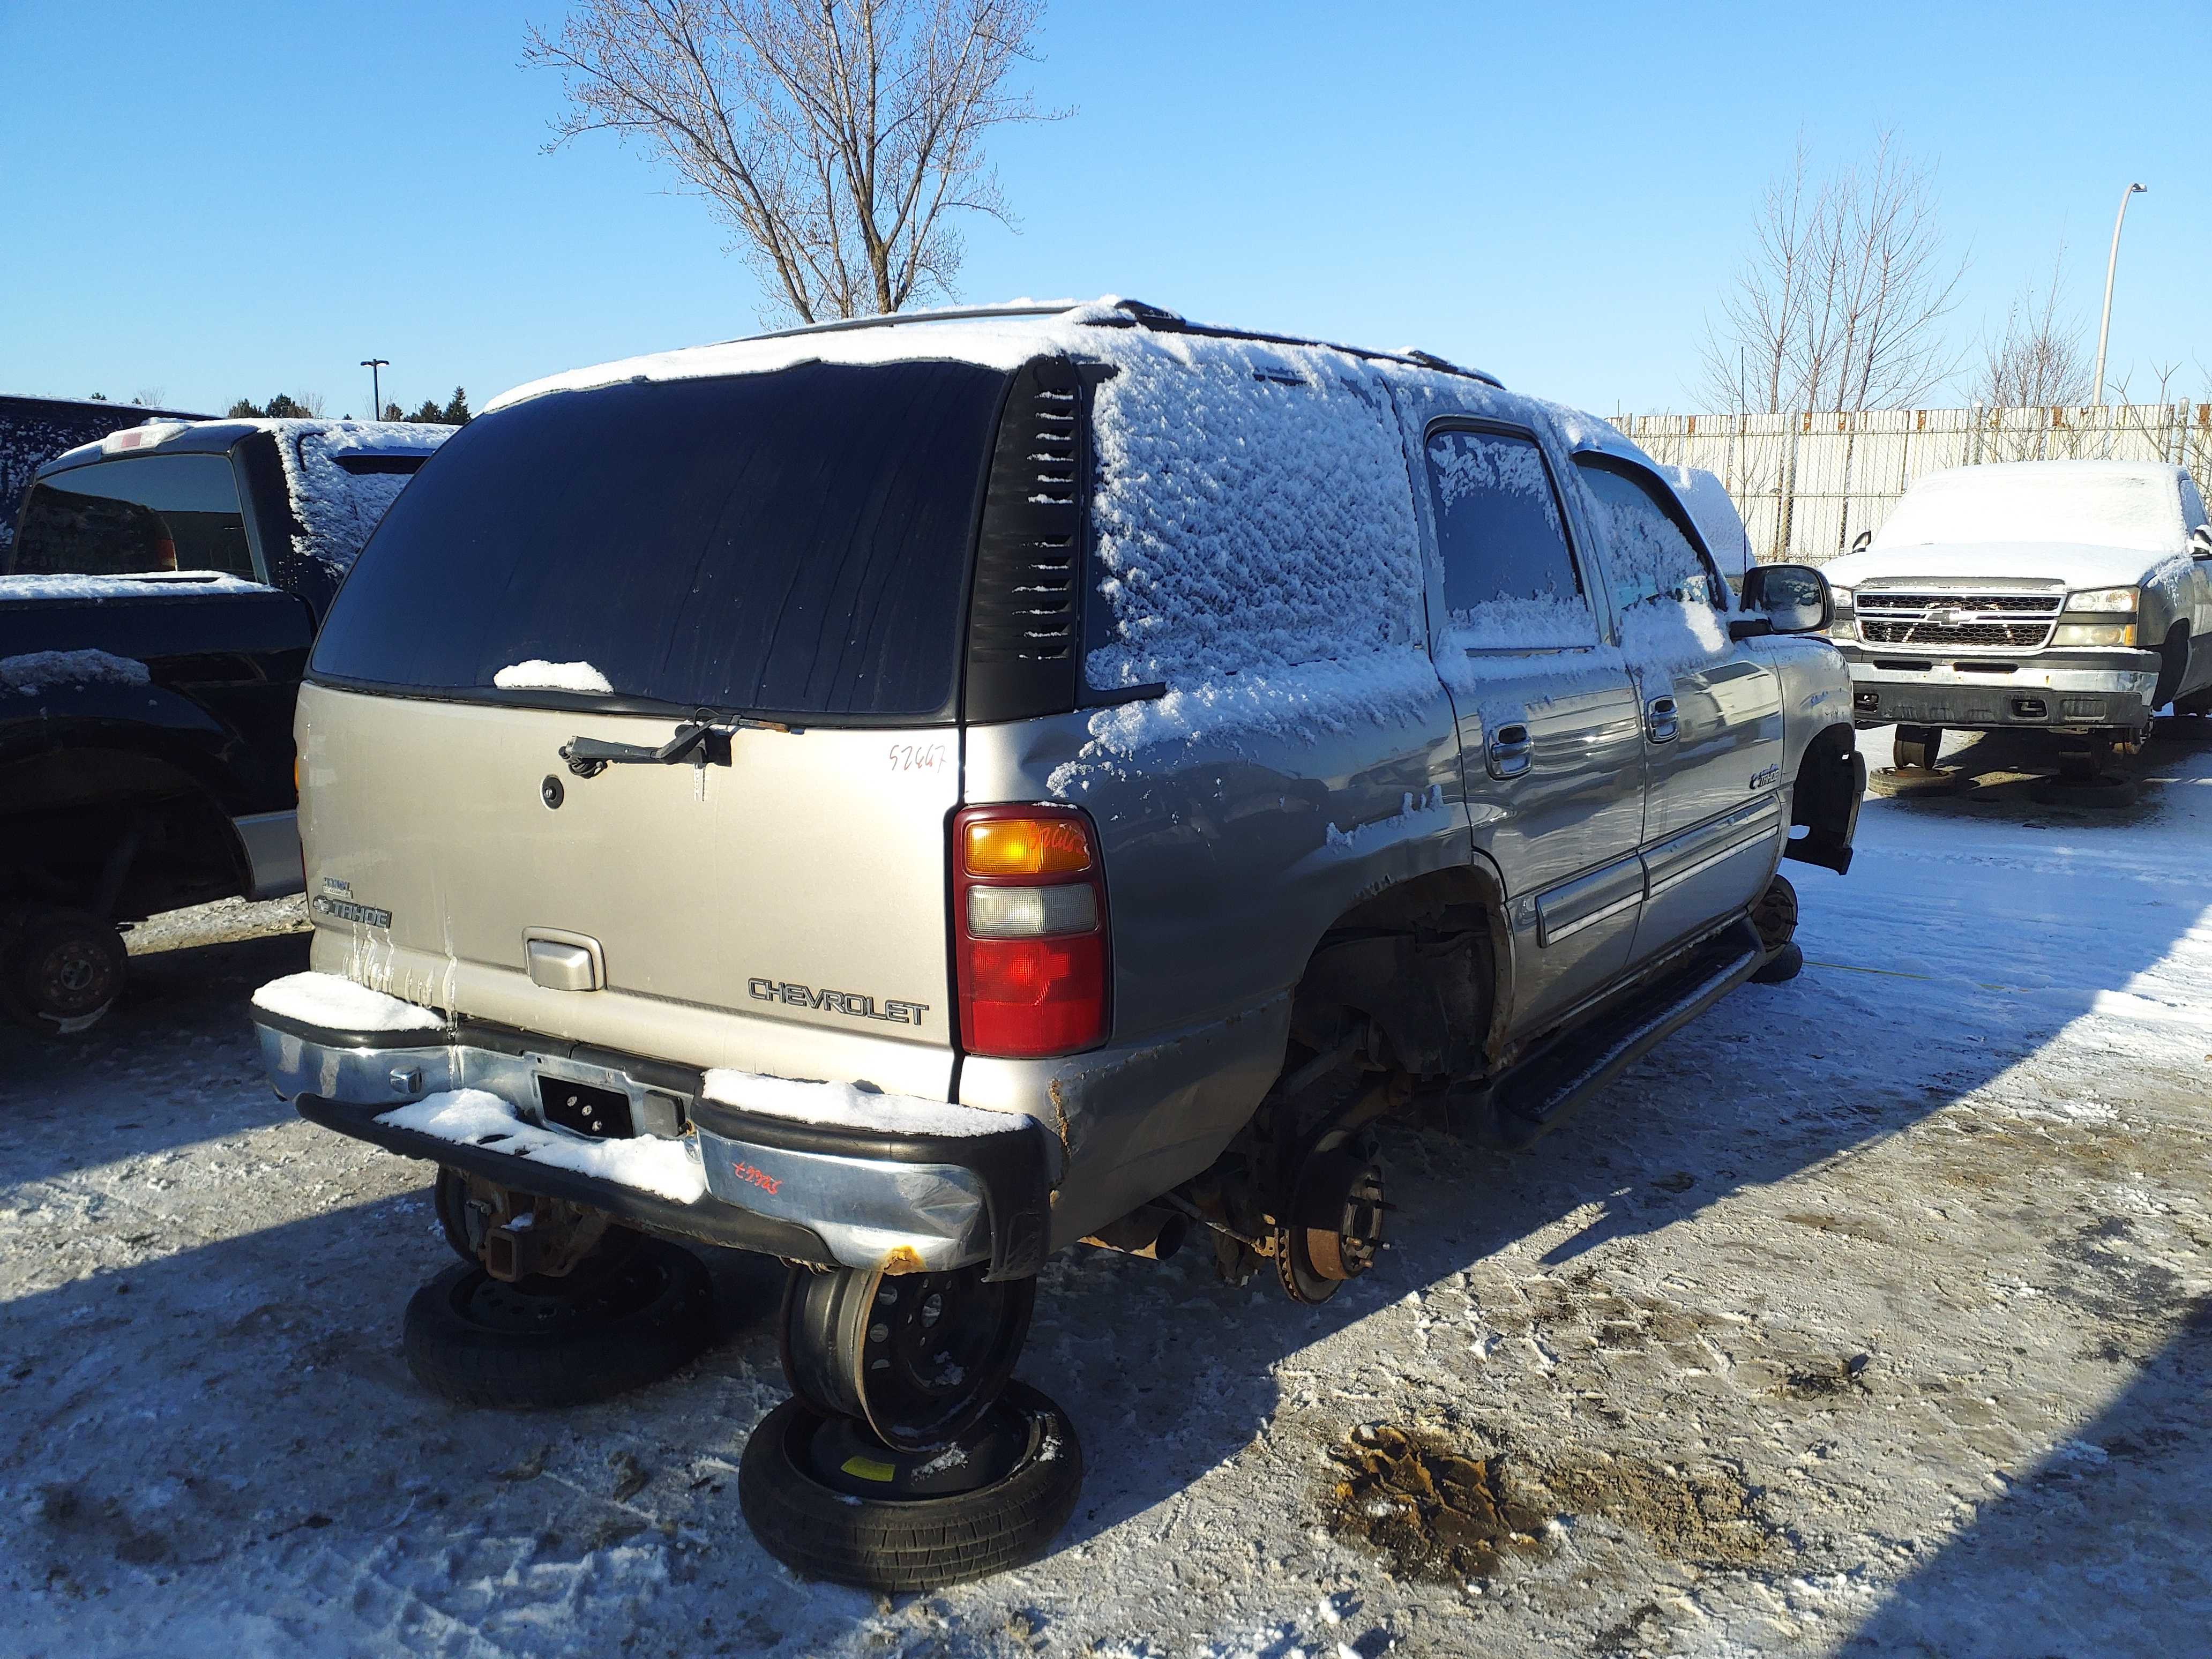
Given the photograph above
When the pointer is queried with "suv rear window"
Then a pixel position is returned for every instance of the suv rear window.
(122, 518)
(794, 542)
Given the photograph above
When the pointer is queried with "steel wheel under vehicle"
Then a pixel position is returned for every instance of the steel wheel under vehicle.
(479, 1342)
(61, 970)
(1916, 747)
(825, 1499)
(1335, 1224)
(919, 1357)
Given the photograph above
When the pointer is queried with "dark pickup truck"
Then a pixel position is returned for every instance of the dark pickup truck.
(155, 613)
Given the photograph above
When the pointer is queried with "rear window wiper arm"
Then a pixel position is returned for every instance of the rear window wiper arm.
(699, 744)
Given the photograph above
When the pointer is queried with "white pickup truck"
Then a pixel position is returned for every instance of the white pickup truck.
(2074, 597)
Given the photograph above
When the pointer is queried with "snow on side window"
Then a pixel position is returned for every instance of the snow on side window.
(1646, 552)
(1510, 579)
(1251, 513)
(338, 508)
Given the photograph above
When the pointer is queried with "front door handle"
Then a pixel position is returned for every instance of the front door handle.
(1660, 722)
(1511, 751)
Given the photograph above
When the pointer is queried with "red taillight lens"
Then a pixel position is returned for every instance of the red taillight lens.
(1030, 930)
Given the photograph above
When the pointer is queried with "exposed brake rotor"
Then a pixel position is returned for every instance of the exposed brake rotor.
(1334, 1227)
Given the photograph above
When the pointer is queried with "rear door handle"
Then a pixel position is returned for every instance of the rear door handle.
(1660, 723)
(1511, 751)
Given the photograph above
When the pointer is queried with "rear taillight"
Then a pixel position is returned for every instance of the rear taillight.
(1028, 924)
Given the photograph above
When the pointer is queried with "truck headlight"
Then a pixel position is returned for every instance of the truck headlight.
(2094, 634)
(2105, 600)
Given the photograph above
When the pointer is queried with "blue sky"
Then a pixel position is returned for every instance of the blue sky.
(214, 202)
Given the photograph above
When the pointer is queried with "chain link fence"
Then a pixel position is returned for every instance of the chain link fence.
(1808, 483)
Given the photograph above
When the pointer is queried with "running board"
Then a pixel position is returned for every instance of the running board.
(1536, 1096)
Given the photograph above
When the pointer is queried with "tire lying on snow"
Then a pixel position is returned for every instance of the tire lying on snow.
(478, 1342)
(906, 1543)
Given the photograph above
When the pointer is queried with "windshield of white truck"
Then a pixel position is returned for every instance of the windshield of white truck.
(2138, 511)
(794, 542)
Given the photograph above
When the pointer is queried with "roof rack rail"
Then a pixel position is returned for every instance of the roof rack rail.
(1136, 313)
(960, 314)
(1162, 320)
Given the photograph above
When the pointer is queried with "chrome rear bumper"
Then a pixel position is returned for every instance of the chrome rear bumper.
(830, 1194)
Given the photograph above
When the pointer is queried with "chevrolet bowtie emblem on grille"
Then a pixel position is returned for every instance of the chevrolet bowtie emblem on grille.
(1952, 615)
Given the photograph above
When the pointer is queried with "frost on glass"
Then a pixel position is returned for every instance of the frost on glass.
(1509, 582)
(1649, 556)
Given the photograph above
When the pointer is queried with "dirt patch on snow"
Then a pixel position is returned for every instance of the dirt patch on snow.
(1444, 1514)
(1704, 1515)
(1436, 1512)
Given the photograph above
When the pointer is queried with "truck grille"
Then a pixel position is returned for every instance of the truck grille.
(1989, 622)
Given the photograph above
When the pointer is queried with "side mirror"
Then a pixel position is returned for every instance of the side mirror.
(1784, 598)
(1862, 541)
(2200, 542)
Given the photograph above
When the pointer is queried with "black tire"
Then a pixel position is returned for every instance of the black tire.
(61, 971)
(913, 1543)
(2198, 703)
(1782, 966)
(1775, 915)
(1917, 747)
(475, 1341)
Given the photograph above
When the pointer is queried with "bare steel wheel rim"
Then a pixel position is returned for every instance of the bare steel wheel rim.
(73, 976)
(919, 1357)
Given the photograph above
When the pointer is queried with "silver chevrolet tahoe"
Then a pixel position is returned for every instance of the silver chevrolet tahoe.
(2069, 597)
(909, 798)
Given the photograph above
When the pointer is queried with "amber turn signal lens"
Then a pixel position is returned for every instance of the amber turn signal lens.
(1026, 846)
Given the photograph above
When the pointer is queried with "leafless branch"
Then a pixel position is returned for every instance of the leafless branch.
(1840, 302)
(838, 138)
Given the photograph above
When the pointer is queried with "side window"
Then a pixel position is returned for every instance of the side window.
(150, 512)
(1509, 579)
(2192, 504)
(1648, 551)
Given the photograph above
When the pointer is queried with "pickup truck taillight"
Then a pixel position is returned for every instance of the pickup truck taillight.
(1028, 926)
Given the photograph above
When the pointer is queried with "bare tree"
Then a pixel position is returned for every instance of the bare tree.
(839, 138)
(2039, 362)
(1840, 303)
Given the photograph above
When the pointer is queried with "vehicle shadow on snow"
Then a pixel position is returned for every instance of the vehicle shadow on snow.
(174, 1061)
(2116, 1505)
(1167, 1373)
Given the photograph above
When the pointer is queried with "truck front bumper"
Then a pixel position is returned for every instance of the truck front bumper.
(2065, 690)
(831, 1194)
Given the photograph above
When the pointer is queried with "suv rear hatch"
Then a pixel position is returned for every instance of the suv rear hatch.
(784, 555)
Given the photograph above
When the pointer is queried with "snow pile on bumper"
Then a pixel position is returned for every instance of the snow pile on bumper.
(337, 1004)
(853, 1106)
(476, 1117)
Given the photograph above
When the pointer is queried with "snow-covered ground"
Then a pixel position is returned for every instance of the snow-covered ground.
(1869, 1317)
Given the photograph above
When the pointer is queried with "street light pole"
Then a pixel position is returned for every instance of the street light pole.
(2105, 326)
(376, 388)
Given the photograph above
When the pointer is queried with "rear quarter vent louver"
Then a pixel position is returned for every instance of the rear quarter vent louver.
(1025, 619)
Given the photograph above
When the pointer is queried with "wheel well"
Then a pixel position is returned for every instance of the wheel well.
(2174, 665)
(1421, 965)
(1824, 801)
(114, 831)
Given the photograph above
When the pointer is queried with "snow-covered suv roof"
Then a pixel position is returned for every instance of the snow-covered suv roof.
(997, 336)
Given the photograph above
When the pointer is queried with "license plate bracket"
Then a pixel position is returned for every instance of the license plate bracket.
(601, 1113)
